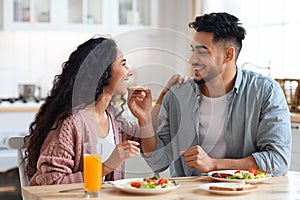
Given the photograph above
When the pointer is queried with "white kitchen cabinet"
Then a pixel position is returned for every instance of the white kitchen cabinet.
(295, 165)
(75, 15)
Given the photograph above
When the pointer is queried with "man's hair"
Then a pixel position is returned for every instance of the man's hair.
(224, 26)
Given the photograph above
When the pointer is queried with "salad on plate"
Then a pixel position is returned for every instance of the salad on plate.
(249, 176)
(153, 185)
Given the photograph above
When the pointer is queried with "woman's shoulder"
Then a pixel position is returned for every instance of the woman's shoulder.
(68, 130)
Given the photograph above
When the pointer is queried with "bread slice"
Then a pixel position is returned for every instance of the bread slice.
(133, 88)
(233, 187)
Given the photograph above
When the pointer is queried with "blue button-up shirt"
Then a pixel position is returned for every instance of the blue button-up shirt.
(257, 123)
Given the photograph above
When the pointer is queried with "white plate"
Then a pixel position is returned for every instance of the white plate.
(124, 185)
(251, 181)
(206, 188)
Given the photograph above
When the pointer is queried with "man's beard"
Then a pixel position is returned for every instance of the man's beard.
(199, 82)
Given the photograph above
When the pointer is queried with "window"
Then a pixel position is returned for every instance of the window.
(273, 29)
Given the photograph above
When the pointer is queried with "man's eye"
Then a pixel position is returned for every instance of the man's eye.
(201, 52)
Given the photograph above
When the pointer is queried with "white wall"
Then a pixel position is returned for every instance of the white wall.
(272, 33)
(34, 57)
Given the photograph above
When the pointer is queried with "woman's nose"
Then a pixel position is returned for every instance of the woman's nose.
(129, 71)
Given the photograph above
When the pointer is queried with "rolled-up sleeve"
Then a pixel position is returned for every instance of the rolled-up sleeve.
(274, 133)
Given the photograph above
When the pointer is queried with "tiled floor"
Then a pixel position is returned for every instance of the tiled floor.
(10, 185)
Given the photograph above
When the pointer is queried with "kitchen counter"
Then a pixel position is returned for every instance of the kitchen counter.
(6, 107)
(20, 109)
(295, 117)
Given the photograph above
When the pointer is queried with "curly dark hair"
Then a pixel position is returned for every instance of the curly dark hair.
(80, 83)
(224, 26)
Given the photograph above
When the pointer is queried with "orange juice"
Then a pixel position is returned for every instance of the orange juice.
(92, 172)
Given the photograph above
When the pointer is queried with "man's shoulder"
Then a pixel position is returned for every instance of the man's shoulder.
(258, 84)
(185, 90)
(188, 87)
(257, 78)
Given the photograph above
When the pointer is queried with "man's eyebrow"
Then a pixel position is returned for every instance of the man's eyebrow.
(123, 60)
(200, 47)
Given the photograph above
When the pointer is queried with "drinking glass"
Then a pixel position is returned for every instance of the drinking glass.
(92, 169)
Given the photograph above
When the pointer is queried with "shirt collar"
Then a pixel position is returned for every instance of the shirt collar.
(238, 80)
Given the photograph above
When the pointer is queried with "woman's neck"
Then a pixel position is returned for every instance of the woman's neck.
(102, 103)
(99, 115)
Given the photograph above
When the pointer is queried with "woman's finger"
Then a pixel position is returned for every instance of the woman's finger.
(185, 79)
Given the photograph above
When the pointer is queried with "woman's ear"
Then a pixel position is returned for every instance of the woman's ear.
(229, 54)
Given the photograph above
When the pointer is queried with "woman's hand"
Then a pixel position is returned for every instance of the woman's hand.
(176, 78)
(122, 152)
(140, 104)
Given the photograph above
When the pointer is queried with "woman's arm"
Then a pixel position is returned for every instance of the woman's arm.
(176, 78)
(59, 159)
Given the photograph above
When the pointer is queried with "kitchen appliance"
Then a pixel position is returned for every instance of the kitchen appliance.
(29, 91)
(16, 114)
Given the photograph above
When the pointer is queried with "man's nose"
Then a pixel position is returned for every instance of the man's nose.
(192, 59)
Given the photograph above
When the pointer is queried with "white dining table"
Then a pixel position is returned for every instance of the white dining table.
(281, 188)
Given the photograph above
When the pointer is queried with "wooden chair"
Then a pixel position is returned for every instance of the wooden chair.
(17, 143)
(291, 90)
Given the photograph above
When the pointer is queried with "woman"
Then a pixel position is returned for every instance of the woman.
(78, 109)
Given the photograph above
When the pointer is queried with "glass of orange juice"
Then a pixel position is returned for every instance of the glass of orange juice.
(92, 169)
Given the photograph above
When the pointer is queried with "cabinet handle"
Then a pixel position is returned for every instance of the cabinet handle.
(295, 127)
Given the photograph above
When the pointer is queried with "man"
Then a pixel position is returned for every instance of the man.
(223, 118)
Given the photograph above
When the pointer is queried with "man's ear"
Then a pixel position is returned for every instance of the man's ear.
(229, 54)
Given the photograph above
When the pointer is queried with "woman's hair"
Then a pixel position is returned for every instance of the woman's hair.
(224, 26)
(80, 83)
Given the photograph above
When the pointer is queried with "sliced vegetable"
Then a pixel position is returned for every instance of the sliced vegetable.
(136, 184)
(153, 182)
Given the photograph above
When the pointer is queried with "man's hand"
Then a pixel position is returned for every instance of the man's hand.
(196, 157)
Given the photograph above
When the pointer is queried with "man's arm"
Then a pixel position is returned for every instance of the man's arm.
(196, 157)
(242, 164)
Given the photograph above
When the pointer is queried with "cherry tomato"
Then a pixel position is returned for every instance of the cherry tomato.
(261, 171)
(162, 181)
(149, 180)
(252, 170)
(136, 184)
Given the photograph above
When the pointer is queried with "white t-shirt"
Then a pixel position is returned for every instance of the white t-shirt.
(108, 143)
(212, 121)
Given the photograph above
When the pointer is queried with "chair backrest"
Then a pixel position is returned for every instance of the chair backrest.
(18, 143)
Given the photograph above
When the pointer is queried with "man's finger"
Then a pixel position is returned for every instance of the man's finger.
(181, 153)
